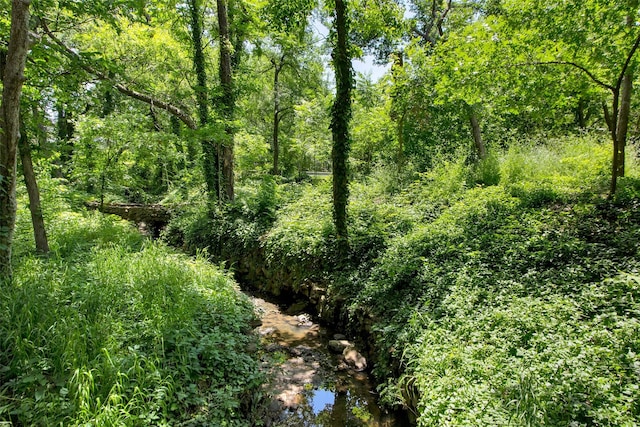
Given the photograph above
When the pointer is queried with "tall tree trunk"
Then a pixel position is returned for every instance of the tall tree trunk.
(341, 115)
(619, 121)
(39, 232)
(612, 123)
(401, 143)
(65, 136)
(398, 111)
(476, 132)
(211, 157)
(228, 99)
(12, 78)
(581, 118)
(276, 115)
(623, 121)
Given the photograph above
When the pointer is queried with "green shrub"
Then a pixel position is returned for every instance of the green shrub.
(486, 171)
(111, 332)
(303, 231)
(506, 360)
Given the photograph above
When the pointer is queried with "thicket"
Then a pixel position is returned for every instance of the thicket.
(113, 329)
(504, 292)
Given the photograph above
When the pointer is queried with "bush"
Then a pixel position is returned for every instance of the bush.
(507, 360)
(110, 331)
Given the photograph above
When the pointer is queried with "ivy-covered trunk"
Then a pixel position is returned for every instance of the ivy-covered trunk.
(276, 114)
(228, 99)
(12, 73)
(211, 157)
(341, 115)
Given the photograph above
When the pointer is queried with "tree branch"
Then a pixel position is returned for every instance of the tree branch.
(442, 18)
(628, 61)
(170, 108)
(579, 67)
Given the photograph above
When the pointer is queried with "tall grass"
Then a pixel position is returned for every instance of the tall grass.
(115, 330)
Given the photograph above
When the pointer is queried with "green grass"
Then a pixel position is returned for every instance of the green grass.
(115, 330)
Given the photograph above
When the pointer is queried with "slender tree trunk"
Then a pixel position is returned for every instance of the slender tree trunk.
(623, 121)
(476, 132)
(276, 143)
(341, 115)
(211, 159)
(12, 77)
(581, 118)
(65, 136)
(39, 231)
(228, 99)
(613, 128)
(401, 143)
(276, 116)
(619, 120)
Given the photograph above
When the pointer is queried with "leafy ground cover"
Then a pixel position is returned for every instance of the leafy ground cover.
(501, 293)
(112, 329)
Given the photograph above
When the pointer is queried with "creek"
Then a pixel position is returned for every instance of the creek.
(313, 386)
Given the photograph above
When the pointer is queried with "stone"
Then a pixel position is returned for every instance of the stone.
(304, 320)
(316, 293)
(354, 358)
(273, 347)
(338, 346)
(339, 337)
(296, 308)
(267, 331)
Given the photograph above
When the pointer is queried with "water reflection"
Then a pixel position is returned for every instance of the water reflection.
(327, 408)
(320, 399)
(313, 385)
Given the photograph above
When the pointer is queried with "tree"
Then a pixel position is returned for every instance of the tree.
(286, 23)
(227, 99)
(433, 22)
(340, 118)
(35, 207)
(597, 38)
(11, 69)
(278, 65)
(211, 160)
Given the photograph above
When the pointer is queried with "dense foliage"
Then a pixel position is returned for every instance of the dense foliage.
(490, 199)
(113, 329)
(499, 293)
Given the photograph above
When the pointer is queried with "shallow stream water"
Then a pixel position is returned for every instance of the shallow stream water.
(312, 386)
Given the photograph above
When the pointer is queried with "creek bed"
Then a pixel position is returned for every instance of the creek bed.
(311, 385)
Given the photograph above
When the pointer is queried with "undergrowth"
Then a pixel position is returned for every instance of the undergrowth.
(504, 292)
(115, 330)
